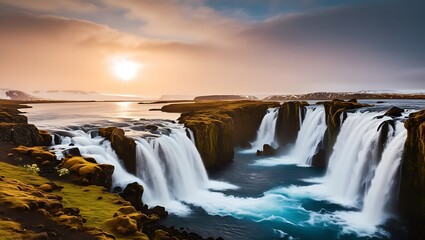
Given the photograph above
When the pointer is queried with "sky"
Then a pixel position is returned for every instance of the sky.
(197, 47)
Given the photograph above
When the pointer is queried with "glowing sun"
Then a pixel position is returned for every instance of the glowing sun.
(125, 69)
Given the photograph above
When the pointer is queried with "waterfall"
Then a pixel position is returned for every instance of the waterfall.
(310, 135)
(171, 165)
(191, 135)
(267, 131)
(382, 184)
(354, 158)
(100, 150)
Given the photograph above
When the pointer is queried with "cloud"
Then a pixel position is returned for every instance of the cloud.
(52, 5)
(189, 47)
(187, 21)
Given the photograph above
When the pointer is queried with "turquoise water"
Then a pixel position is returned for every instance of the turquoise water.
(270, 204)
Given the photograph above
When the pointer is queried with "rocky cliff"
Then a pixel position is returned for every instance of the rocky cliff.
(289, 122)
(124, 147)
(219, 126)
(412, 195)
(14, 127)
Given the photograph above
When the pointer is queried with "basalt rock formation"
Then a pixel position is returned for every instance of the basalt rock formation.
(219, 126)
(288, 122)
(412, 196)
(124, 147)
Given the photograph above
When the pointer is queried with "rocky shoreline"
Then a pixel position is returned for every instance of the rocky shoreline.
(76, 205)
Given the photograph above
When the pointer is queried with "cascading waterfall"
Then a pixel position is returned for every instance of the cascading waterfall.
(171, 165)
(383, 182)
(374, 212)
(310, 135)
(267, 131)
(354, 158)
(100, 150)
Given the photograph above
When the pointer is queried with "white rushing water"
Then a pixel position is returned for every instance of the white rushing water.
(358, 176)
(169, 167)
(374, 211)
(354, 158)
(266, 133)
(310, 135)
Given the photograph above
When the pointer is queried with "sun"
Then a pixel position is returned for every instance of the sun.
(125, 69)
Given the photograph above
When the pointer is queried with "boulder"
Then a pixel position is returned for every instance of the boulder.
(127, 221)
(72, 152)
(89, 173)
(394, 112)
(124, 147)
(158, 210)
(45, 139)
(267, 151)
(39, 153)
(133, 193)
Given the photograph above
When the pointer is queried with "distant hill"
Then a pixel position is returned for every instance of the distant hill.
(17, 95)
(225, 97)
(175, 97)
(77, 95)
(347, 95)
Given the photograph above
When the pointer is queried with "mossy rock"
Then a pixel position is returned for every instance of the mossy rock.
(37, 152)
(88, 172)
(124, 147)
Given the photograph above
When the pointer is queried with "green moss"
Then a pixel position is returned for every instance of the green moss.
(12, 230)
(84, 197)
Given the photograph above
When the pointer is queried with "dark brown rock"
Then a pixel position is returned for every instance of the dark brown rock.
(412, 196)
(267, 151)
(335, 110)
(158, 210)
(288, 122)
(133, 193)
(394, 112)
(124, 147)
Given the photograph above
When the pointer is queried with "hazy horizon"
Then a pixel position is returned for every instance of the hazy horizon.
(202, 47)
